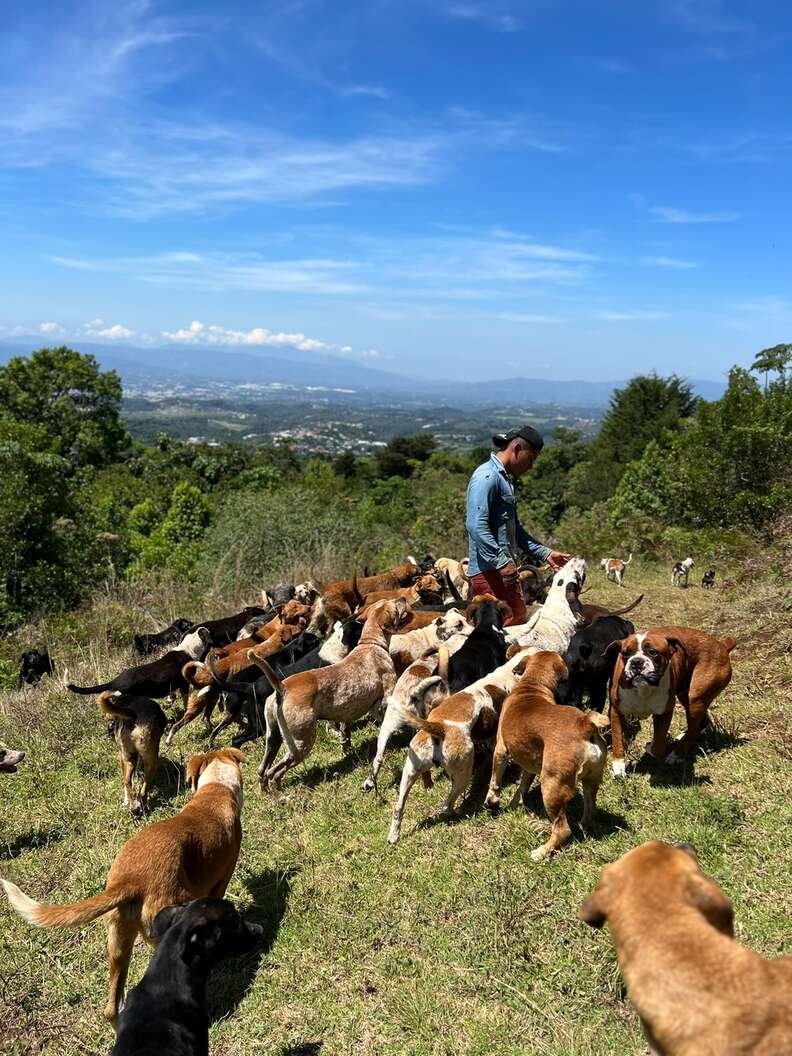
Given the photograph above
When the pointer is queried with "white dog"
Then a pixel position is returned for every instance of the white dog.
(554, 624)
(681, 571)
(614, 568)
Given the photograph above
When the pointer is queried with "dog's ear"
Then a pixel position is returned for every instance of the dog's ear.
(591, 911)
(613, 648)
(513, 650)
(712, 903)
(236, 754)
(165, 920)
(194, 769)
(519, 670)
(505, 611)
(676, 644)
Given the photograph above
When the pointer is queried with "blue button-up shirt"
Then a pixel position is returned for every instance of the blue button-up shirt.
(494, 530)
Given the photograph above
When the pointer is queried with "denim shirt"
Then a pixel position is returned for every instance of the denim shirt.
(492, 524)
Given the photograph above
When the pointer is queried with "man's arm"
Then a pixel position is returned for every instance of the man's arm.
(532, 547)
(480, 493)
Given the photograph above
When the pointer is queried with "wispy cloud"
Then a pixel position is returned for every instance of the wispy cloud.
(668, 215)
(376, 91)
(529, 318)
(631, 316)
(496, 16)
(51, 329)
(669, 262)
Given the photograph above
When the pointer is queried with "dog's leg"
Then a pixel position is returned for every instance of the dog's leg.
(500, 760)
(121, 932)
(127, 774)
(418, 760)
(522, 790)
(150, 767)
(696, 712)
(556, 796)
(226, 720)
(460, 780)
(392, 722)
(661, 723)
(195, 705)
(618, 766)
(345, 732)
(274, 738)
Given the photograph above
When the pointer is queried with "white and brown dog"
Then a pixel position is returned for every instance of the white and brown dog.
(614, 568)
(681, 571)
(655, 668)
(456, 571)
(553, 625)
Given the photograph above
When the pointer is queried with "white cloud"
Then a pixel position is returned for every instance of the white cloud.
(376, 91)
(669, 215)
(96, 328)
(528, 318)
(637, 315)
(669, 262)
(490, 13)
(199, 333)
(51, 329)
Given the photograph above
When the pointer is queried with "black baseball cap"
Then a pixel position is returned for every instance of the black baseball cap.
(526, 432)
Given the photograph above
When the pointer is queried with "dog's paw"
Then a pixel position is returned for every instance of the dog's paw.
(618, 768)
(539, 853)
(393, 836)
(492, 802)
(368, 785)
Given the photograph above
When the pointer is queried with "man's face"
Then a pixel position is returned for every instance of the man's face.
(523, 458)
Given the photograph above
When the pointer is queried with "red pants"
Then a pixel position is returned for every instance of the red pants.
(506, 588)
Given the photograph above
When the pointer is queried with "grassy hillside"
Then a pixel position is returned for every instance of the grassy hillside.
(452, 942)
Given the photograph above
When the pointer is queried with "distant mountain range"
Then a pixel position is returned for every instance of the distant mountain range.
(189, 365)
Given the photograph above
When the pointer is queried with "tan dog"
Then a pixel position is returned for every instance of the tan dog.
(136, 725)
(192, 855)
(206, 689)
(559, 743)
(447, 736)
(424, 591)
(456, 571)
(340, 599)
(697, 991)
(343, 692)
(655, 667)
(614, 568)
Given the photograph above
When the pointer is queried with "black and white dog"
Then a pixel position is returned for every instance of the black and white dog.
(681, 571)
(166, 1011)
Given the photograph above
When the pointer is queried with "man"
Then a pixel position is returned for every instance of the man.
(493, 527)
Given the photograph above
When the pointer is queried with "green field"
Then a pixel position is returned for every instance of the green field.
(453, 941)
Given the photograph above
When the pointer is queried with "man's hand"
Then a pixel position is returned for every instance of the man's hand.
(556, 559)
(508, 571)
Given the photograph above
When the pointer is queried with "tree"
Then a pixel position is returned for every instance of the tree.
(397, 458)
(776, 358)
(642, 411)
(74, 403)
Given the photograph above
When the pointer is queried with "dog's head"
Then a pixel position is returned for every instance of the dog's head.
(391, 614)
(644, 657)
(541, 667)
(449, 624)
(199, 764)
(532, 584)
(486, 611)
(429, 588)
(306, 592)
(9, 760)
(670, 871)
(427, 564)
(196, 644)
(295, 612)
(205, 932)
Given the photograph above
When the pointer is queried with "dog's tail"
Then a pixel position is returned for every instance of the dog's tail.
(87, 690)
(452, 587)
(190, 672)
(44, 916)
(629, 559)
(434, 729)
(417, 699)
(115, 710)
(443, 656)
(729, 644)
(630, 607)
(359, 599)
(272, 678)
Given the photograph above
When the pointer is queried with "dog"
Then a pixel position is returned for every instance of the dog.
(224, 631)
(159, 677)
(651, 670)
(400, 700)
(405, 648)
(166, 1011)
(339, 599)
(697, 991)
(591, 612)
(448, 735)
(534, 585)
(343, 692)
(554, 624)
(425, 590)
(33, 665)
(681, 571)
(136, 725)
(708, 579)
(456, 571)
(278, 595)
(485, 648)
(189, 856)
(558, 743)
(143, 644)
(10, 760)
(614, 568)
(589, 667)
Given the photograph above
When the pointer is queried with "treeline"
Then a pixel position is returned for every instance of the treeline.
(80, 502)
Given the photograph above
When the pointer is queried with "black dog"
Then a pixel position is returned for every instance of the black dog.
(165, 1012)
(225, 630)
(148, 643)
(33, 666)
(589, 668)
(708, 579)
(484, 650)
(155, 679)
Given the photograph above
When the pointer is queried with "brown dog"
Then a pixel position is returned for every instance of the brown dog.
(425, 591)
(697, 991)
(557, 742)
(136, 725)
(340, 599)
(192, 855)
(655, 667)
(343, 692)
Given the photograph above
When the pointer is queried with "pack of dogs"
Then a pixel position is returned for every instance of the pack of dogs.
(413, 643)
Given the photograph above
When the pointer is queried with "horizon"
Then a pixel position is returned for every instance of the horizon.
(434, 189)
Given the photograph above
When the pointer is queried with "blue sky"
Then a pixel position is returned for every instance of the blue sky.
(436, 187)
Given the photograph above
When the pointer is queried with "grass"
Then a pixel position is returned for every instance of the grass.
(453, 941)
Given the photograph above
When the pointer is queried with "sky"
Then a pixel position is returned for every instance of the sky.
(440, 188)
